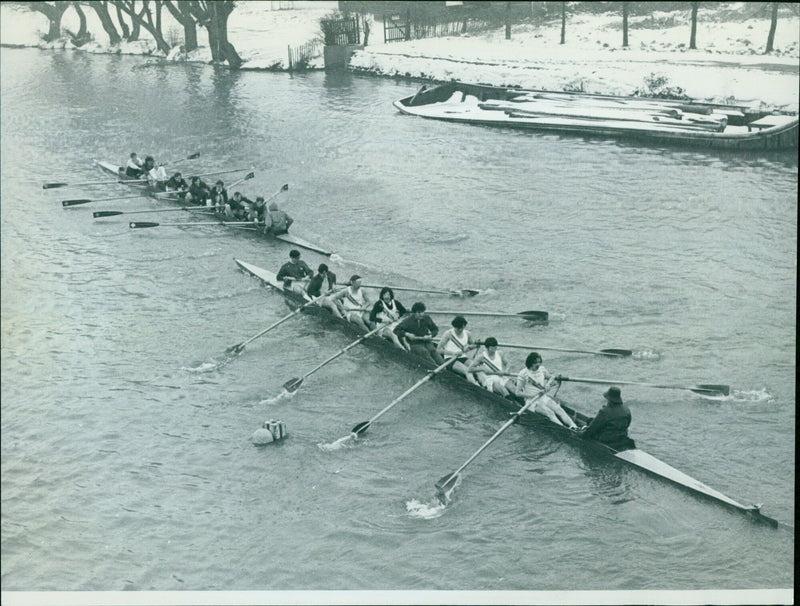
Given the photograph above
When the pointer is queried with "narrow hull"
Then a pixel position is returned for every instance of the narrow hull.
(288, 238)
(634, 457)
(649, 121)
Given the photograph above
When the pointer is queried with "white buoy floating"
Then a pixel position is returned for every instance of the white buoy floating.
(270, 431)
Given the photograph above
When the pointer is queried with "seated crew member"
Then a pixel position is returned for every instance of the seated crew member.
(417, 330)
(457, 341)
(386, 310)
(237, 206)
(156, 175)
(134, 166)
(610, 426)
(533, 380)
(277, 221)
(353, 302)
(293, 270)
(323, 284)
(219, 196)
(256, 211)
(177, 183)
(198, 192)
(489, 366)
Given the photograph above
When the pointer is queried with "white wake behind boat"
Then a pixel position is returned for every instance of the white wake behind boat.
(634, 457)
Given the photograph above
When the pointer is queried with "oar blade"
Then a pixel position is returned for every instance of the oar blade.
(285, 187)
(709, 389)
(194, 156)
(445, 484)
(617, 352)
(360, 428)
(293, 384)
(140, 224)
(54, 185)
(235, 348)
(106, 213)
(467, 292)
(535, 316)
(75, 202)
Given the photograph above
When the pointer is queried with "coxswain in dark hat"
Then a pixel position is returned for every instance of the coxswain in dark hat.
(610, 426)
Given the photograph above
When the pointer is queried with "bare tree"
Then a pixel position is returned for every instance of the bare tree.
(508, 20)
(54, 11)
(183, 15)
(563, 22)
(101, 8)
(772, 27)
(126, 32)
(213, 15)
(624, 24)
(83, 34)
(145, 19)
(693, 36)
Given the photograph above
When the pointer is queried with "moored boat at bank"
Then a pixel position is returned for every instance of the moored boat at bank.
(146, 190)
(633, 457)
(649, 121)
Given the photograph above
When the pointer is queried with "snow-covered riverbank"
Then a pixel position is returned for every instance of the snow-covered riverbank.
(728, 65)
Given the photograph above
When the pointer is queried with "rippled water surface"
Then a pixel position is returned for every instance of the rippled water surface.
(126, 453)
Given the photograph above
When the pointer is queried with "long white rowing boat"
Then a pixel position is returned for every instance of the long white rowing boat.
(119, 172)
(634, 457)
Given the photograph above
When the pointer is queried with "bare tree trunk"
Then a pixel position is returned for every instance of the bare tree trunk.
(54, 12)
(83, 35)
(126, 32)
(693, 36)
(365, 23)
(101, 8)
(213, 15)
(624, 24)
(772, 27)
(183, 15)
(508, 21)
(129, 7)
(563, 22)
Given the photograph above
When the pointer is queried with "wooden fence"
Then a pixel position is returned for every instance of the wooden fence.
(341, 32)
(398, 27)
(299, 56)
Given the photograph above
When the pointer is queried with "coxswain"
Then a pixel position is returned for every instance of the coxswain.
(456, 342)
(133, 168)
(417, 330)
(198, 192)
(276, 221)
(219, 196)
(610, 426)
(489, 366)
(291, 271)
(532, 381)
(385, 312)
(323, 284)
(353, 302)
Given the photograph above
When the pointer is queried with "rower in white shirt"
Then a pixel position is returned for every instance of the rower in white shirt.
(457, 341)
(489, 366)
(533, 380)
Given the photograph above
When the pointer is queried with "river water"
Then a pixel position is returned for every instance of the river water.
(126, 455)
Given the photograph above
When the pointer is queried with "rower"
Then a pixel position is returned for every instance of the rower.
(387, 310)
(353, 303)
(156, 175)
(457, 341)
(237, 206)
(322, 284)
(276, 221)
(177, 183)
(417, 331)
(198, 192)
(532, 381)
(257, 210)
(293, 270)
(489, 366)
(219, 196)
(610, 426)
(134, 167)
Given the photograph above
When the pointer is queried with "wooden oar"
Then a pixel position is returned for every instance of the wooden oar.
(532, 316)
(703, 389)
(362, 427)
(602, 352)
(447, 482)
(455, 292)
(294, 384)
(87, 200)
(141, 224)
(284, 187)
(240, 346)
(61, 184)
(114, 213)
(194, 156)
